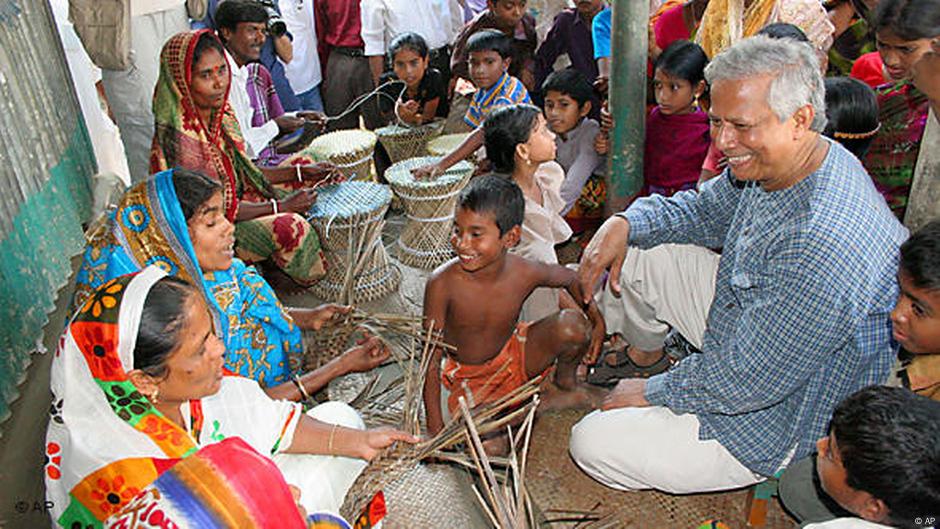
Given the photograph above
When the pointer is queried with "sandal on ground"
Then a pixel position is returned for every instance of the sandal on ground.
(605, 374)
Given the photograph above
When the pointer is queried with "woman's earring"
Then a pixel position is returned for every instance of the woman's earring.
(154, 397)
(695, 103)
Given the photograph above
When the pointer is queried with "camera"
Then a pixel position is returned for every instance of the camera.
(276, 25)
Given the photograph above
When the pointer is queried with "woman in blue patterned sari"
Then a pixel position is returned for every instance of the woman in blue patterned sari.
(176, 220)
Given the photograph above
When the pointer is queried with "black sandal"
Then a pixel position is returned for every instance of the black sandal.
(605, 374)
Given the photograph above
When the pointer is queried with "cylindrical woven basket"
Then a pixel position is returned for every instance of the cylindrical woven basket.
(429, 207)
(443, 145)
(403, 142)
(420, 497)
(350, 150)
(349, 218)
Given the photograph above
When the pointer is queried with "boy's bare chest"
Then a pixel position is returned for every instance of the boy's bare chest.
(483, 312)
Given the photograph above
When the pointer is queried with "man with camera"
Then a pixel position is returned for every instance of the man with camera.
(243, 26)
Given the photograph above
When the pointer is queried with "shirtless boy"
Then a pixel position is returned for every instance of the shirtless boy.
(475, 298)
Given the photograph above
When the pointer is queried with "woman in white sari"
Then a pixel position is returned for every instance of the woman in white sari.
(138, 385)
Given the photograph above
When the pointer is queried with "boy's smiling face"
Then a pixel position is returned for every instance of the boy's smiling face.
(916, 317)
(563, 112)
(486, 67)
(508, 12)
(477, 241)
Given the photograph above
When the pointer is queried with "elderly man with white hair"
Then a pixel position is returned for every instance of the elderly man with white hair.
(791, 317)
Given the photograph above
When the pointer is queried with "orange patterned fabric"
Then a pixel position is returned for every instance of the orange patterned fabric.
(491, 380)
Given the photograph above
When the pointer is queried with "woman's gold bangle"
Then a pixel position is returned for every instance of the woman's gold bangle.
(329, 446)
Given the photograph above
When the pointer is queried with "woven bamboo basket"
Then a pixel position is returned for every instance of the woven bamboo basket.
(443, 145)
(349, 218)
(403, 142)
(433, 496)
(429, 208)
(350, 150)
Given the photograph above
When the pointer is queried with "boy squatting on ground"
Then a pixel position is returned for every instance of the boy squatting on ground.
(475, 301)
(490, 55)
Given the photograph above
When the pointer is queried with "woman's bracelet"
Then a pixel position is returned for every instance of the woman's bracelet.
(329, 446)
(301, 389)
(274, 206)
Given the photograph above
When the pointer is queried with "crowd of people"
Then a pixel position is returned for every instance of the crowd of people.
(758, 311)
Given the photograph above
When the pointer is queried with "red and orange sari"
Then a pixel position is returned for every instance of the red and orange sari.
(182, 139)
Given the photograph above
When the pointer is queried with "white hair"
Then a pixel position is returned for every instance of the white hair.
(793, 65)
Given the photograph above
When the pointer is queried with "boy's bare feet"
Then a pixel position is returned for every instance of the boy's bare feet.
(581, 396)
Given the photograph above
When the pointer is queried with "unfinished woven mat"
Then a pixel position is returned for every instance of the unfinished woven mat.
(403, 142)
(429, 208)
(443, 145)
(349, 218)
(350, 150)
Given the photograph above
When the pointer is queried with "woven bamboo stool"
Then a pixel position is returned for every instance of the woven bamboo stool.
(349, 218)
(443, 145)
(350, 150)
(404, 142)
(429, 207)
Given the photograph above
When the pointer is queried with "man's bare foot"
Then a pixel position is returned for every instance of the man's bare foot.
(644, 358)
(581, 396)
(615, 345)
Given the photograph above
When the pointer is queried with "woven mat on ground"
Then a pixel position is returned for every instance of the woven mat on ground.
(555, 482)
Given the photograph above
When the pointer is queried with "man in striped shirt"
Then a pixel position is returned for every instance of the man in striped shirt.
(791, 317)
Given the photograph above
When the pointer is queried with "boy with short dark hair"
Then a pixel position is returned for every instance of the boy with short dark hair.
(567, 103)
(495, 353)
(881, 460)
(509, 17)
(489, 60)
(916, 317)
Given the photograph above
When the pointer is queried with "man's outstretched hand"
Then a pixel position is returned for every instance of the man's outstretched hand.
(607, 250)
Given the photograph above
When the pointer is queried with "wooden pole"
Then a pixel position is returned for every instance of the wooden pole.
(629, 41)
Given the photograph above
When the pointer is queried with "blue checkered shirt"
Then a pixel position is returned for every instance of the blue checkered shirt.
(800, 318)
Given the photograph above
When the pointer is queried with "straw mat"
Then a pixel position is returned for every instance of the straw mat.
(555, 482)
